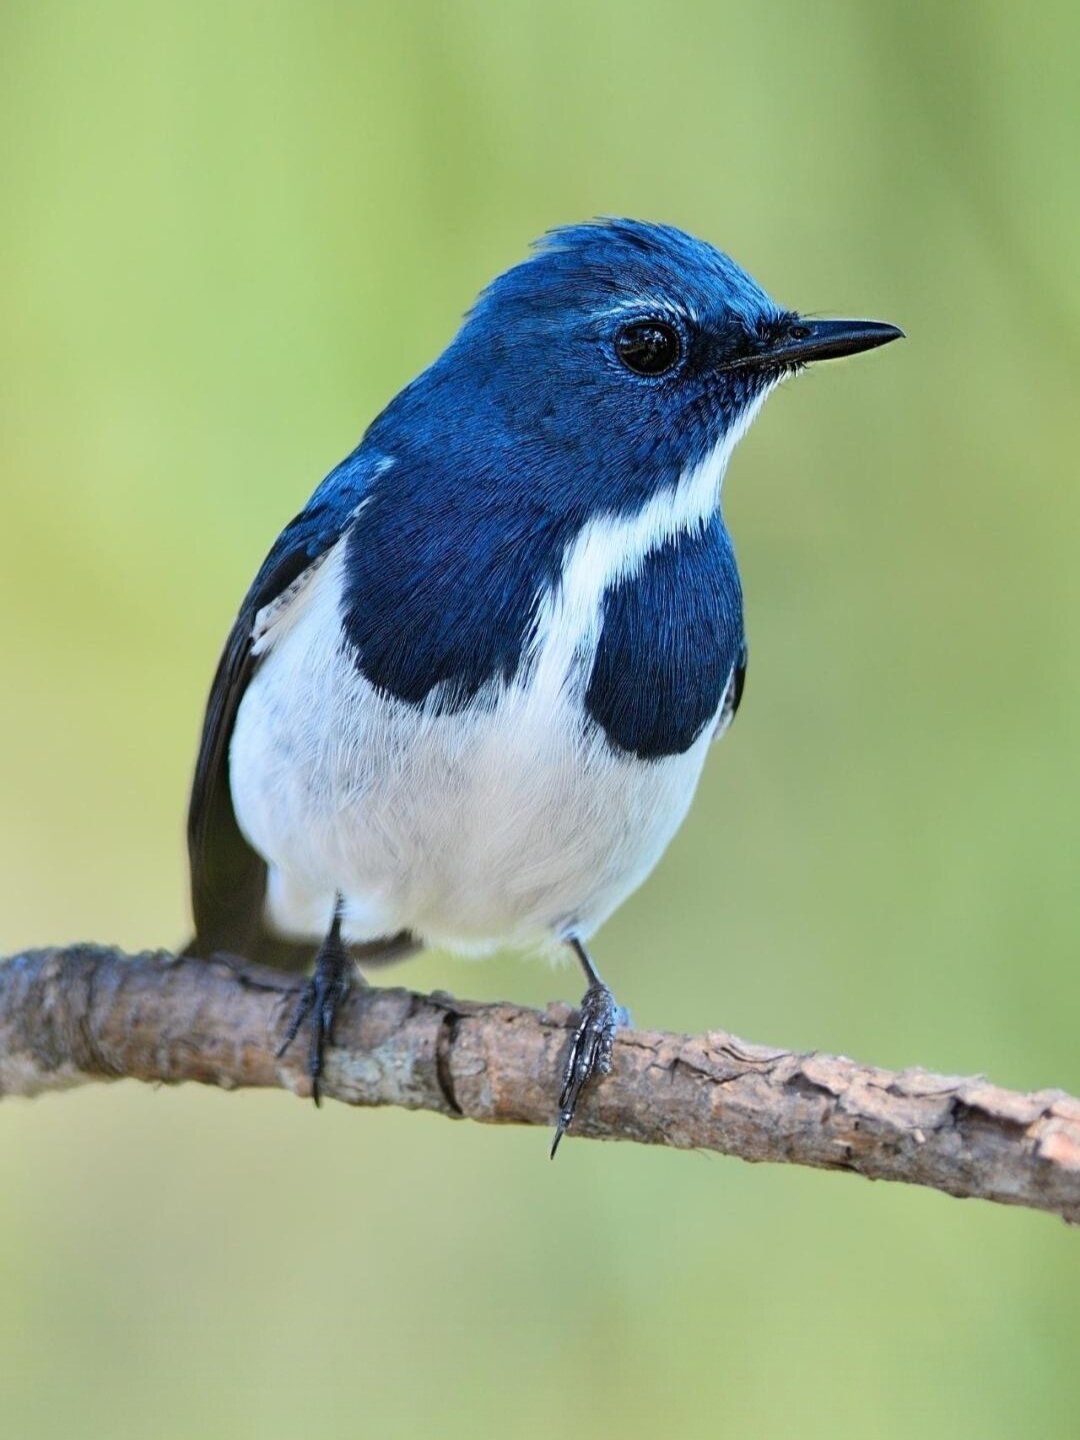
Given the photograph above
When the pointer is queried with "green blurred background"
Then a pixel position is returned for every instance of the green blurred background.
(230, 234)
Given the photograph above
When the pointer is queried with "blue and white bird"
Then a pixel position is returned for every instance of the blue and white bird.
(469, 695)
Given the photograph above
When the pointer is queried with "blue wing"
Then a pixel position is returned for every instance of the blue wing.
(228, 879)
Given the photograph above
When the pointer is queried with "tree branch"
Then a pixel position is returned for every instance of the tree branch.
(69, 1016)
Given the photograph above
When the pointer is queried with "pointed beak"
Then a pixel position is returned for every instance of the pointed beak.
(805, 340)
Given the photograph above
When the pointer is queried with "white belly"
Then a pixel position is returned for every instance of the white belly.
(513, 823)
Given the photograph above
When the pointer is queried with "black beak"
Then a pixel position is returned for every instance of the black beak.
(804, 340)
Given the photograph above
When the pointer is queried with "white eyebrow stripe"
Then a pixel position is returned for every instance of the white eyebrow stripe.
(644, 306)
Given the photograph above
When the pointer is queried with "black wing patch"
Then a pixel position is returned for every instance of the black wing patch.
(228, 879)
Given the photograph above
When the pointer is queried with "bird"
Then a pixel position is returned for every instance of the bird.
(469, 694)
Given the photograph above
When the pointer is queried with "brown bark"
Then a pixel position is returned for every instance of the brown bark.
(68, 1016)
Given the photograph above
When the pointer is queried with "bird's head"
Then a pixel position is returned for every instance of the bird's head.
(631, 352)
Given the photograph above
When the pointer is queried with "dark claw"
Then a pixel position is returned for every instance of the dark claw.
(590, 1052)
(320, 999)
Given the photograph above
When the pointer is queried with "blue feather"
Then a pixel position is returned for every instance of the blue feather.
(672, 635)
(524, 430)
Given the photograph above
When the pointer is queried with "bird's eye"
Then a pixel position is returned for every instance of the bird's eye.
(649, 347)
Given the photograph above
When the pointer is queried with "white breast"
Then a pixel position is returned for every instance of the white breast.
(511, 823)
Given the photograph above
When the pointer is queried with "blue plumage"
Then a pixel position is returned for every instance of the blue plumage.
(443, 570)
(522, 432)
(469, 694)
(671, 641)
(321, 523)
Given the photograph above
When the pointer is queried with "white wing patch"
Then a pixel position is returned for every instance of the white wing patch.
(281, 613)
(727, 706)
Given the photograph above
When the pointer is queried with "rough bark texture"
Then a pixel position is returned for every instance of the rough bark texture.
(68, 1016)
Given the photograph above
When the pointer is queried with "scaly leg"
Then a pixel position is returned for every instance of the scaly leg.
(590, 1049)
(320, 999)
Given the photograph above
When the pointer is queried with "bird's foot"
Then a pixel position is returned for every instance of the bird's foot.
(318, 1003)
(590, 1051)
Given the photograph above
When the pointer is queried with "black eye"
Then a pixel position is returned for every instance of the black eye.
(649, 347)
